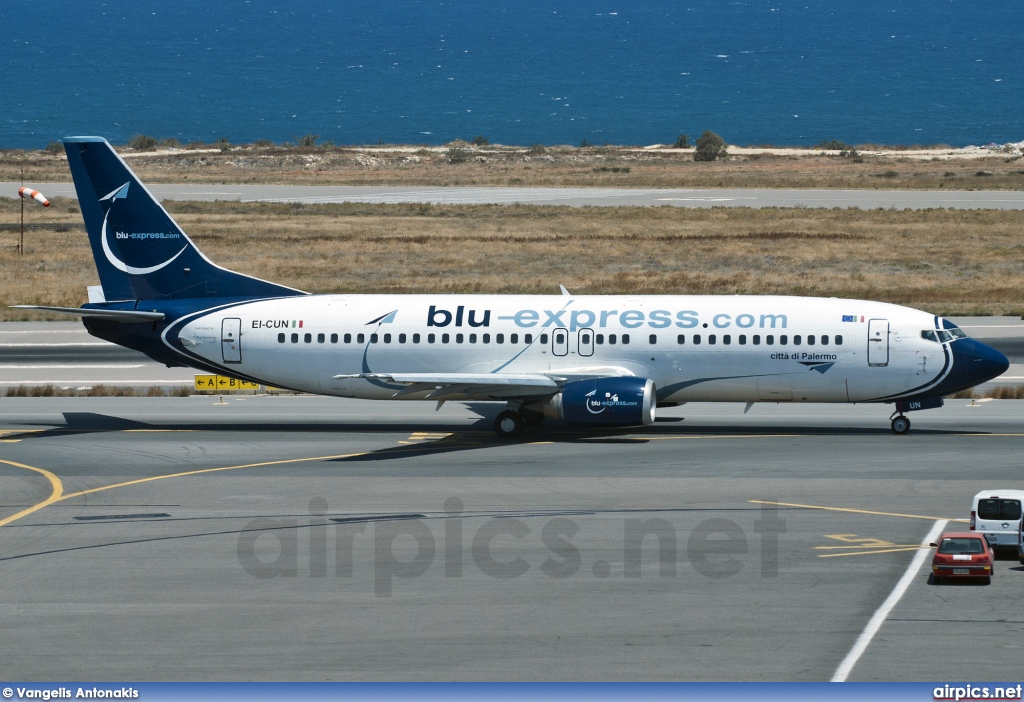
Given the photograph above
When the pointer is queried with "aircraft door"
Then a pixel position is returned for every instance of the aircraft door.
(560, 342)
(878, 342)
(231, 340)
(586, 342)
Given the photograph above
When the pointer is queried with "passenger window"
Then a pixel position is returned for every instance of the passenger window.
(757, 339)
(387, 338)
(415, 338)
(796, 340)
(528, 338)
(559, 338)
(824, 339)
(696, 338)
(374, 338)
(472, 338)
(334, 338)
(280, 338)
(625, 338)
(810, 339)
(445, 338)
(360, 338)
(544, 339)
(320, 338)
(769, 340)
(308, 338)
(611, 338)
(348, 338)
(431, 338)
(599, 339)
(783, 339)
(653, 338)
(712, 339)
(513, 338)
(681, 339)
(487, 338)
(295, 338)
(459, 338)
(743, 339)
(839, 340)
(500, 338)
(584, 338)
(402, 338)
(727, 339)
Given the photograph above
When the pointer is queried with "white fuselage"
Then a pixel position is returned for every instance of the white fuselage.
(694, 348)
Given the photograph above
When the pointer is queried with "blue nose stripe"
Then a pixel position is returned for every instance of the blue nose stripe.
(975, 363)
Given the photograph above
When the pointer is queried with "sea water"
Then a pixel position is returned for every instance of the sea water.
(524, 72)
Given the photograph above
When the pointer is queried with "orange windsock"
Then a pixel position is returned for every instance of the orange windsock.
(35, 195)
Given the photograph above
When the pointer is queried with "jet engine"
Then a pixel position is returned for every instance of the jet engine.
(621, 401)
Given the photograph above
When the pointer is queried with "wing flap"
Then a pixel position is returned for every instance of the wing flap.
(538, 380)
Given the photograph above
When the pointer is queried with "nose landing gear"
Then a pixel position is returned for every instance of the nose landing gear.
(900, 424)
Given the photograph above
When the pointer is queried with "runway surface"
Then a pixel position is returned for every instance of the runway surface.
(65, 355)
(306, 538)
(574, 197)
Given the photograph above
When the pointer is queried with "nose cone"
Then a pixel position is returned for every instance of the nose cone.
(978, 362)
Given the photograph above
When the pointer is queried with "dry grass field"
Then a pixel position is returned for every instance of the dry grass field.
(944, 261)
(630, 167)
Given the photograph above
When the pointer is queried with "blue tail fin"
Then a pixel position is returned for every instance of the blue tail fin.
(140, 252)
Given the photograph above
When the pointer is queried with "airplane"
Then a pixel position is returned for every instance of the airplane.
(591, 360)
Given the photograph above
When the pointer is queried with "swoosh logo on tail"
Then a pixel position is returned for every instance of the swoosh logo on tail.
(122, 194)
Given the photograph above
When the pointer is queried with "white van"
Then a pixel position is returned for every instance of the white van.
(997, 515)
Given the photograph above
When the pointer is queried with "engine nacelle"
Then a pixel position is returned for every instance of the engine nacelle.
(622, 401)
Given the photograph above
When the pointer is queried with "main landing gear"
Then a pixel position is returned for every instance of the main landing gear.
(900, 425)
(511, 422)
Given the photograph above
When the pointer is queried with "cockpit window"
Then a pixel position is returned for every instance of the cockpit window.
(943, 335)
(953, 329)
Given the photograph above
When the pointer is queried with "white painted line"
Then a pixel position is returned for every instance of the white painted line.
(101, 381)
(76, 330)
(79, 366)
(882, 612)
(48, 344)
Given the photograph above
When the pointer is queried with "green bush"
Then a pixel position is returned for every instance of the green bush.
(538, 149)
(141, 142)
(54, 148)
(710, 147)
(481, 140)
(307, 142)
(682, 142)
(458, 154)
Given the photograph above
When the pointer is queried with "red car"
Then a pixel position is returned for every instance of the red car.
(962, 554)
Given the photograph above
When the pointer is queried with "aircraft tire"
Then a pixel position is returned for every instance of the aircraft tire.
(509, 424)
(900, 425)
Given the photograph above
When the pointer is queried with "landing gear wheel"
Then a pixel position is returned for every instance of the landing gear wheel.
(509, 424)
(900, 425)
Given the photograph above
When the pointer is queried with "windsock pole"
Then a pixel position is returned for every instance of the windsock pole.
(25, 193)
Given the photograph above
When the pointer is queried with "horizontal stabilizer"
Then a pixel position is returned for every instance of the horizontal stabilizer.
(113, 315)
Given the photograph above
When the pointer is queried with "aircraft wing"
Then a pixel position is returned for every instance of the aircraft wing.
(498, 386)
(114, 315)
